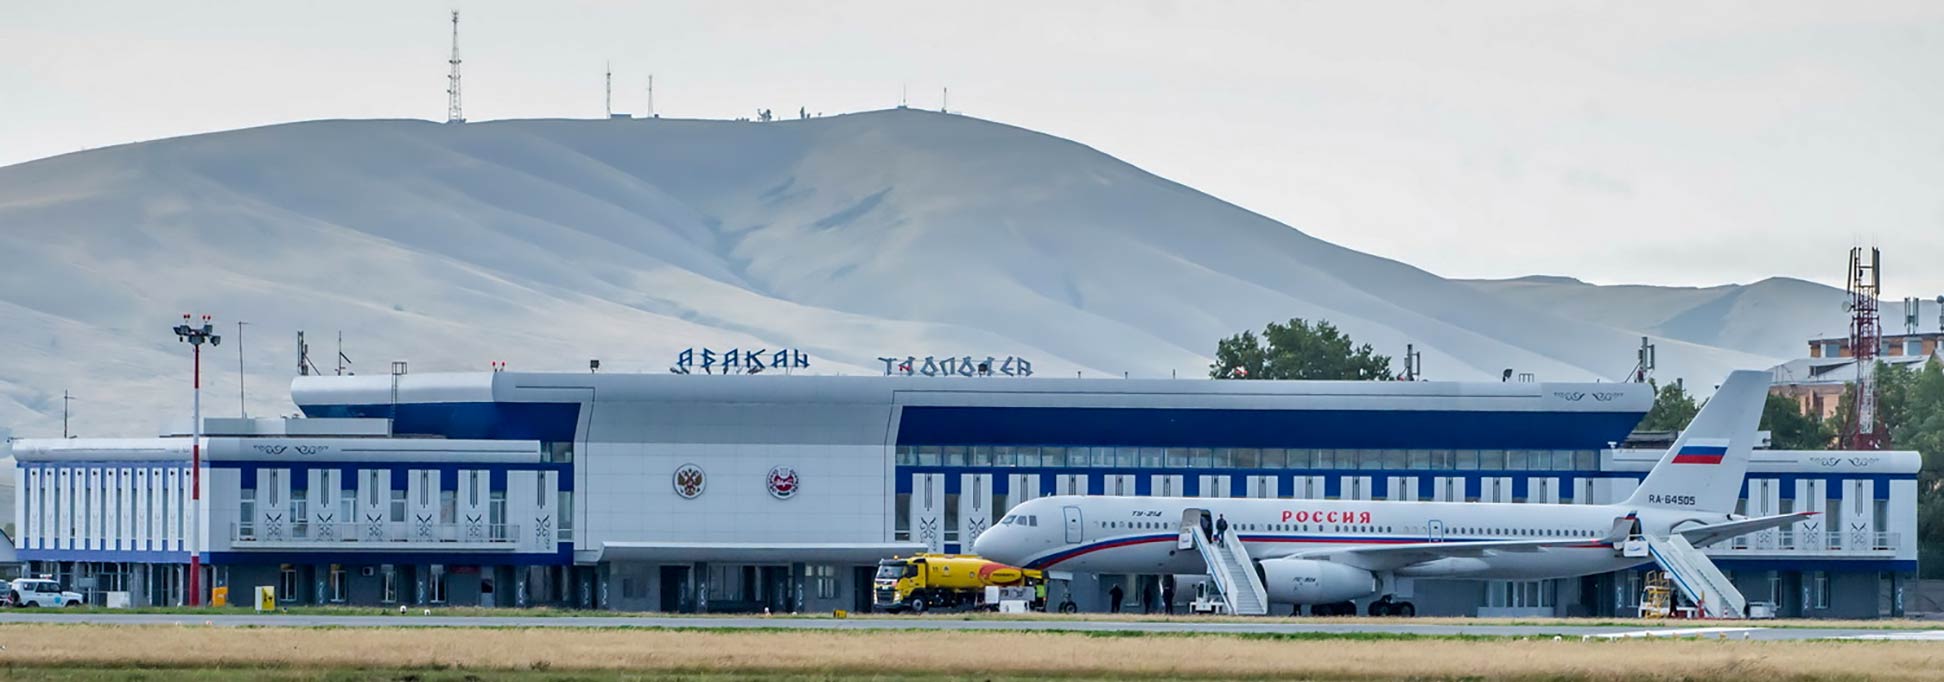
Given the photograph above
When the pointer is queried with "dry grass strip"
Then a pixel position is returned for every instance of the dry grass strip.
(957, 653)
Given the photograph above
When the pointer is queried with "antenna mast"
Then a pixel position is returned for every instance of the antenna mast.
(608, 91)
(454, 113)
(1866, 338)
(651, 95)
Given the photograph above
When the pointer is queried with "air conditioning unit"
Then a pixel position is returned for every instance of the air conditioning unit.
(368, 571)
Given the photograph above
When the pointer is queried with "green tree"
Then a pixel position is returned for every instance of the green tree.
(1297, 350)
(1673, 409)
(1911, 408)
(1790, 429)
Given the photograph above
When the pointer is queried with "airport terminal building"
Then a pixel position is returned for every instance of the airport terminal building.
(696, 493)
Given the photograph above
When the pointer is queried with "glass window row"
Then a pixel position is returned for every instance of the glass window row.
(1245, 458)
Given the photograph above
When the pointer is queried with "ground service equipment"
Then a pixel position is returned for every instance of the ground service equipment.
(923, 582)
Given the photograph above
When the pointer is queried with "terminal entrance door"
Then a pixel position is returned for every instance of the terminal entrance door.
(675, 590)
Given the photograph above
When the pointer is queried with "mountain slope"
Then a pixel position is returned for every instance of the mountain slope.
(1774, 317)
(548, 242)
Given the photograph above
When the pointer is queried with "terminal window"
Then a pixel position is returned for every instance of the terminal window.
(1068, 456)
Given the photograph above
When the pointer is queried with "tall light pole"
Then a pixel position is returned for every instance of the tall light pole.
(242, 400)
(195, 336)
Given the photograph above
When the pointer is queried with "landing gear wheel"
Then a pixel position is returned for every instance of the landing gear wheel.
(1069, 607)
(1379, 609)
(918, 605)
(1404, 609)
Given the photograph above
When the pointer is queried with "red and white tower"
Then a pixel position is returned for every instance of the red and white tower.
(1863, 432)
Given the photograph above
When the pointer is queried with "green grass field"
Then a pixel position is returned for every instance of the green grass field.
(166, 652)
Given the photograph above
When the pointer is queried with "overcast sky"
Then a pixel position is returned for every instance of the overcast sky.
(1673, 143)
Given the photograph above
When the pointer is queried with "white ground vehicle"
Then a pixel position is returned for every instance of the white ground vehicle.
(42, 592)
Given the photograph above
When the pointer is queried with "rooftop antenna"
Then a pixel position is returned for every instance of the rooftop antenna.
(304, 365)
(945, 102)
(651, 95)
(342, 358)
(904, 95)
(1644, 362)
(65, 399)
(454, 113)
(608, 91)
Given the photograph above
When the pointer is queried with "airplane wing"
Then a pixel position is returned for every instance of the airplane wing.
(1702, 536)
(1392, 557)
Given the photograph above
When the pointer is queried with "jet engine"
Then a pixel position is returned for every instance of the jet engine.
(1307, 581)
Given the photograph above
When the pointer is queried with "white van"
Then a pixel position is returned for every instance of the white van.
(42, 592)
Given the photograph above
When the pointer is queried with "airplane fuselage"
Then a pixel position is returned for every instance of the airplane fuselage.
(1140, 534)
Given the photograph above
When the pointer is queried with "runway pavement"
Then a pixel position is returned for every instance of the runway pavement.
(1378, 626)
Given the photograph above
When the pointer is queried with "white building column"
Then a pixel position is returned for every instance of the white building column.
(1812, 533)
(928, 510)
(374, 501)
(974, 507)
(1764, 499)
(1859, 514)
(1120, 485)
(1354, 488)
(1070, 484)
(1165, 485)
(92, 503)
(1213, 485)
(1020, 488)
(1583, 491)
(1542, 490)
(1307, 488)
(1401, 488)
(273, 520)
(1263, 487)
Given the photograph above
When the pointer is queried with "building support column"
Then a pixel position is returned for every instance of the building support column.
(796, 587)
(520, 586)
(699, 582)
(604, 576)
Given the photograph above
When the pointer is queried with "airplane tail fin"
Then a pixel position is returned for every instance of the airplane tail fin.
(1704, 469)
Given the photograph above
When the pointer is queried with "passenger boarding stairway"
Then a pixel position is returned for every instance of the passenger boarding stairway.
(1697, 578)
(1234, 573)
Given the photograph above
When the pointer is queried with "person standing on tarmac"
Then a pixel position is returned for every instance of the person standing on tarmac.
(1114, 595)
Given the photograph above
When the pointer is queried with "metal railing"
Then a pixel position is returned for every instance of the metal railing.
(1840, 542)
(375, 533)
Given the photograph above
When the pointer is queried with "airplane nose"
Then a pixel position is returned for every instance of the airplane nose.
(987, 545)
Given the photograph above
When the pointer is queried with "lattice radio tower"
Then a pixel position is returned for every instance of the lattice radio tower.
(1863, 432)
(454, 113)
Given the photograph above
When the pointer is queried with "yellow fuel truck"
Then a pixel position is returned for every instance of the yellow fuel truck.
(923, 582)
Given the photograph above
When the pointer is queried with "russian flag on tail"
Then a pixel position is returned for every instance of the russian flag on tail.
(1701, 452)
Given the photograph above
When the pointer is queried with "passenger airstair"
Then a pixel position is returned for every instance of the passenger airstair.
(1697, 578)
(1234, 573)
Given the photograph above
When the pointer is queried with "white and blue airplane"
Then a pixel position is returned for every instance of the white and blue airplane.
(1326, 552)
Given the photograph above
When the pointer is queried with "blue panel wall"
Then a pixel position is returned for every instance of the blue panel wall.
(484, 421)
(1374, 429)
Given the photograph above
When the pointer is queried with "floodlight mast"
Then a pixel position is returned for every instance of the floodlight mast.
(196, 336)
